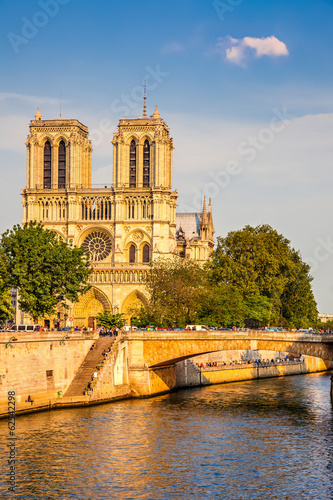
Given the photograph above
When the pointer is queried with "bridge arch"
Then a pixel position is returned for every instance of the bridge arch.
(167, 348)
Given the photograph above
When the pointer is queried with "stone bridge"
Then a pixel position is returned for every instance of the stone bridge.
(149, 358)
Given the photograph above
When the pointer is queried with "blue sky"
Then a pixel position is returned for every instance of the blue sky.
(245, 87)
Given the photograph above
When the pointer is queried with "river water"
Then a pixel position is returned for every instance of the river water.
(253, 440)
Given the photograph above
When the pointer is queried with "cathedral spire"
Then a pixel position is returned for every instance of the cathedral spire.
(38, 115)
(145, 99)
(204, 212)
(156, 114)
(211, 230)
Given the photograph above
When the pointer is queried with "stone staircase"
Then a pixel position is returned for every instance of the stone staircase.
(88, 367)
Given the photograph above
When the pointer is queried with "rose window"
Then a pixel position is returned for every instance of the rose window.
(97, 245)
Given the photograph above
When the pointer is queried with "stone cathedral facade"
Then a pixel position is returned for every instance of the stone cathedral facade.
(123, 227)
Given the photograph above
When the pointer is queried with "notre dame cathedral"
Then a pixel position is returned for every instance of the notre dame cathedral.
(123, 227)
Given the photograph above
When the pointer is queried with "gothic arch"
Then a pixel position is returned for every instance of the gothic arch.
(145, 137)
(146, 253)
(132, 305)
(44, 139)
(132, 137)
(146, 160)
(62, 164)
(133, 164)
(59, 234)
(131, 238)
(58, 138)
(89, 305)
(47, 164)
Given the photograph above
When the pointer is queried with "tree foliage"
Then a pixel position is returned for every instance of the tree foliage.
(261, 264)
(44, 268)
(253, 278)
(109, 320)
(181, 293)
(175, 287)
(6, 310)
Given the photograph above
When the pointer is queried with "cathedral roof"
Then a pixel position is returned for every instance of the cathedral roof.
(189, 223)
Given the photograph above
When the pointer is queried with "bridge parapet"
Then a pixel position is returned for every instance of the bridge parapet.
(226, 335)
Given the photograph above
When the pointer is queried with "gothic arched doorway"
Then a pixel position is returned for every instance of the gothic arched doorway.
(132, 305)
(89, 305)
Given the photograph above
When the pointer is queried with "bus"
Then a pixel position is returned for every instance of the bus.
(25, 328)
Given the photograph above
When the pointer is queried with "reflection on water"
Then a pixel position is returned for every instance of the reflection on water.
(251, 440)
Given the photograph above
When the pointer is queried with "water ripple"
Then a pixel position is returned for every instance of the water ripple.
(251, 440)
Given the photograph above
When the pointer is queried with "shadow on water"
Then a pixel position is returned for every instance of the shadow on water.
(259, 397)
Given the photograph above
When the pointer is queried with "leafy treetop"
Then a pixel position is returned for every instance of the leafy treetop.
(44, 268)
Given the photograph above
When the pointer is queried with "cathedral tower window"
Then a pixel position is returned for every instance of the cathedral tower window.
(146, 163)
(132, 252)
(145, 254)
(62, 165)
(132, 165)
(47, 165)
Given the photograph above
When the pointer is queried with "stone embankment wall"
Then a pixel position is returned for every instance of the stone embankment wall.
(188, 374)
(40, 364)
(43, 365)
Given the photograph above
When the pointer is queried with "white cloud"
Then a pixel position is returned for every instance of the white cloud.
(238, 51)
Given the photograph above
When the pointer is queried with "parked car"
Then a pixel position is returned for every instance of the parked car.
(197, 327)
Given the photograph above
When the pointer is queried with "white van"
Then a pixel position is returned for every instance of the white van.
(198, 328)
(129, 328)
(25, 328)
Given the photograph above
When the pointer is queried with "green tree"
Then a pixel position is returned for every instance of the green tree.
(6, 310)
(109, 320)
(258, 310)
(44, 268)
(182, 293)
(274, 282)
(175, 287)
(298, 305)
(221, 305)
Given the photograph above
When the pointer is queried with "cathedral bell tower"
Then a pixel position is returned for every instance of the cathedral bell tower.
(58, 161)
(142, 182)
(142, 156)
